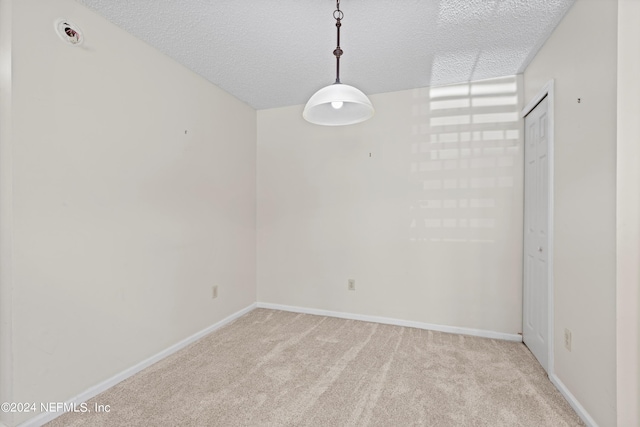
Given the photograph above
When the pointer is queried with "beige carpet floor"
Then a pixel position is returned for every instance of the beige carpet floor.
(273, 368)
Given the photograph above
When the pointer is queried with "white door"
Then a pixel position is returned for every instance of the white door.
(536, 205)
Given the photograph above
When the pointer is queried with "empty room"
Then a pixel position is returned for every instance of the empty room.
(319, 213)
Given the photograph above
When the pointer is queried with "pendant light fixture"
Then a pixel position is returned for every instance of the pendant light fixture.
(338, 104)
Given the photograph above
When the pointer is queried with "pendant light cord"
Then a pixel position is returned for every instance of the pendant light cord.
(338, 15)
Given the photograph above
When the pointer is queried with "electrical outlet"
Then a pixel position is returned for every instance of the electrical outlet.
(352, 285)
(214, 292)
(567, 339)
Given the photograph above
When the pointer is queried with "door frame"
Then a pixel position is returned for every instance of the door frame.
(546, 91)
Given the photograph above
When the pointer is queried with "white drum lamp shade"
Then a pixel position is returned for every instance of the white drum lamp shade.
(338, 105)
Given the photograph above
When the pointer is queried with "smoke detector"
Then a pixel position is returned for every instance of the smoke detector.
(69, 32)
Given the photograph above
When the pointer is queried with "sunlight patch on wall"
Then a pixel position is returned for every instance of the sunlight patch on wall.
(465, 142)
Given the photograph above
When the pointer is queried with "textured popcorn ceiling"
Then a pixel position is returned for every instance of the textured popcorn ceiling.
(278, 53)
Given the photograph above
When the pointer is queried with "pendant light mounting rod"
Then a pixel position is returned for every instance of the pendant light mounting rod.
(338, 15)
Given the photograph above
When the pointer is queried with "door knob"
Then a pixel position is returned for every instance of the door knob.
(540, 249)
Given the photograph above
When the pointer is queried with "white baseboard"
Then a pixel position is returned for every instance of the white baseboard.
(584, 415)
(45, 417)
(397, 322)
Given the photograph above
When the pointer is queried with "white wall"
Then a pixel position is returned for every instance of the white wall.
(421, 205)
(581, 57)
(6, 318)
(133, 193)
(628, 210)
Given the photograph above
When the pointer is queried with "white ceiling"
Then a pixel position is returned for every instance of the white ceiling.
(278, 53)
